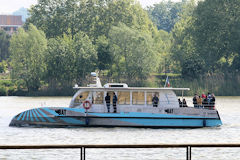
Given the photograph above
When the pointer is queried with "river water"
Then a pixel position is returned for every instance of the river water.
(229, 132)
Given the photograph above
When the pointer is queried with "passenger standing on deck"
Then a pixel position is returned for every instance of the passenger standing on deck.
(184, 103)
(180, 102)
(204, 96)
(213, 98)
(209, 97)
(199, 102)
(107, 100)
(195, 100)
(155, 100)
(115, 102)
(212, 102)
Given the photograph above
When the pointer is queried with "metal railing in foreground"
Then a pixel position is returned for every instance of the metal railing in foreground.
(97, 146)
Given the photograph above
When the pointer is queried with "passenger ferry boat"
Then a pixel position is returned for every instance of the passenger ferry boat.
(134, 108)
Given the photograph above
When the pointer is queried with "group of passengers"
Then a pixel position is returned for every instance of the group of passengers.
(114, 100)
(204, 101)
(182, 103)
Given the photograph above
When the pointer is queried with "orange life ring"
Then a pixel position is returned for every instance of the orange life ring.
(87, 105)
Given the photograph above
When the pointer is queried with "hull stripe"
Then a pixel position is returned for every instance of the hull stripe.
(39, 115)
(34, 115)
(27, 115)
(24, 115)
(31, 116)
(51, 111)
(48, 118)
(20, 116)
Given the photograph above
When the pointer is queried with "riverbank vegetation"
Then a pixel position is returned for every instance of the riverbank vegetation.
(195, 43)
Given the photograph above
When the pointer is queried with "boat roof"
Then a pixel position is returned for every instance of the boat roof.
(132, 88)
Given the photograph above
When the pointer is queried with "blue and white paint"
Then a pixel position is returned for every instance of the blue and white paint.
(47, 117)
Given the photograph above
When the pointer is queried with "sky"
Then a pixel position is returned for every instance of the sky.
(9, 6)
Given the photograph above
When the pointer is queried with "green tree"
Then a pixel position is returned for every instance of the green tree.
(165, 14)
(162, 43)
(59, 62)
(94, 17)
(236, 64)
(55, 17)
(103, 52)
(3, 66)
(189, 62)
(4, 45)
(217, 33)
(133, 52)
(85, 57)
(27, 53)
(69, 60)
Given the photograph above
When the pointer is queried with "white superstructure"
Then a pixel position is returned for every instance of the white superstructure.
(130, 99)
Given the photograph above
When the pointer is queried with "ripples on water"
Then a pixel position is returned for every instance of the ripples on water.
(228, 108)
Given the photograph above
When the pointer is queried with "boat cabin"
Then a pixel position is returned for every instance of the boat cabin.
(129, 98)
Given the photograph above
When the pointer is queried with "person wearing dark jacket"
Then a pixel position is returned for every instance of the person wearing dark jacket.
(115, 103)
(155, 100)
(184, 103)
(195, 100)
(212, 102)
(180, 102)
(107, 100)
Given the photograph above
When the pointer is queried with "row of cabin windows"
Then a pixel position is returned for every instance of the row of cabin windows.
(123, 97)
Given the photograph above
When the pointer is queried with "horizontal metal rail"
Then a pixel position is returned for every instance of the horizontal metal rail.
(128, 117)
(99, 146)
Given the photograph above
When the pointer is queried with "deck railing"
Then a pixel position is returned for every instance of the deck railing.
(84, 147)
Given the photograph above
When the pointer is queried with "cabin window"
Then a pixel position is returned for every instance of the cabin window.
(98, 98)
(123, 97)
(138, 98)
(81, 97)
(150, 95)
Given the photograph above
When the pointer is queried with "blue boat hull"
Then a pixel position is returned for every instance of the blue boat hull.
(48, 117)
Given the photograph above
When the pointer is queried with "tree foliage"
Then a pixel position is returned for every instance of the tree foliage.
(162, 43)
(133, 53)
(69, 60)
(183, 48)
(4, 45)
(54, 17)
(94, 17)
(104, 54)
(27, 53)
(165, 14)
(217, 33)
(206, 39)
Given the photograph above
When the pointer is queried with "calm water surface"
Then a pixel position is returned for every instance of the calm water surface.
(229, 132)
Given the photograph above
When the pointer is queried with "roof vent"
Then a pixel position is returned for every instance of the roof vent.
(116, 85)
